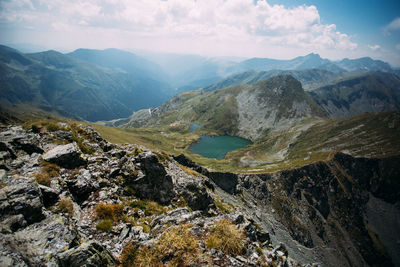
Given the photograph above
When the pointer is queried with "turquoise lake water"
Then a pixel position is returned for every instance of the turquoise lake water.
(218, 146)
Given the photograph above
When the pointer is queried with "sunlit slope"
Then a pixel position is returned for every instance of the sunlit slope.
(248, 111)
(368, 135)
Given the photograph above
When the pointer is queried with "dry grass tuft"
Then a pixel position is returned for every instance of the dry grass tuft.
(224, 207)
(227, 237)
(163, 156)
(148, 206)
(42, 178)
(177, 246)
(66, 206)
(51, 168)
(109, 211)
(105, 225)
(136, 151)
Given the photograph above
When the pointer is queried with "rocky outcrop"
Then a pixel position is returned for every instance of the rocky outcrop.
(122, 202)
(153, 182)
(82, 185)
(246, 110)
(16, 139)
(23, 197)
(273, 105)
(67, 156)
(61, 205)
(324, 208)
(88, 254)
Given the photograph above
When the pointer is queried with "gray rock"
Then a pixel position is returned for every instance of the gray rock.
(5, 159)
(13, 223)
(40, 243)
(117, 153)
(10, 258)
(255, 233)
(124, 232)
(50, 196)
(67, 156)
(197, 197)
(17, 139)
(155, 184)
(89, 254)
(3, 174)
(23, 198)
(174, 217)
(82, 185)
(63, 135)
(93, 135)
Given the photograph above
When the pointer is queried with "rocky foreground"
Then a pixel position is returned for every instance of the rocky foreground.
(70, 198)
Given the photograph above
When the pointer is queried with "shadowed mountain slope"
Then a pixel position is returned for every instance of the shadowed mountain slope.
(54, 80)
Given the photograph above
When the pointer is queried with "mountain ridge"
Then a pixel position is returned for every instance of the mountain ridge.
(244, 110)
(312, 61)
(373, 92)
(78, 87)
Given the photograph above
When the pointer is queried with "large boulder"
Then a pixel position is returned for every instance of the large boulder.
(39, 244)
(50, 196)
(174, 217)
(17, 139)
(197, 197)
(88, 254)
(67, 156)
(153, 182)
(22, 197)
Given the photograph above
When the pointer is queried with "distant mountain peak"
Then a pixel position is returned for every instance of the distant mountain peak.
(313, 55)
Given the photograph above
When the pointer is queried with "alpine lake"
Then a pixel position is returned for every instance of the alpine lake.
(216, 146)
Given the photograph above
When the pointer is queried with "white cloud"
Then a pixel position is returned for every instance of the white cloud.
(237, 25)
(398, 46)
(394, 25)
(374, 47)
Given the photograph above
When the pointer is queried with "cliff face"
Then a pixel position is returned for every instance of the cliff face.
(337, 212)
(272, 105)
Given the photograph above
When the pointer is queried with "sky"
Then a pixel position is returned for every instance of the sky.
(280, 29)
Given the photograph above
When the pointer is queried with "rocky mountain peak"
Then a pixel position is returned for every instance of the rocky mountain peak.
(281, 85)
(273, 104)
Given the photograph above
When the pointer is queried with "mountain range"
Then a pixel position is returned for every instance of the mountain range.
(92, 92)
(372, 92)
(317, 185)
(311, 61)
(248, 111)
(310, 78)
(253, 106)
(109, 84)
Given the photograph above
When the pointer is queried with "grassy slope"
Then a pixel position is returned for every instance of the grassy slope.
(215, 111)
(371, 135)
(218, 111)
(368, 135)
